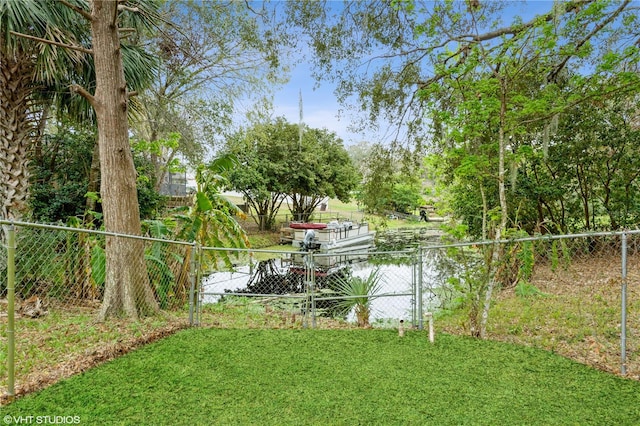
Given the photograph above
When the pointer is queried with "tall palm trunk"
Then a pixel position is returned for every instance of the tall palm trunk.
(16, 131)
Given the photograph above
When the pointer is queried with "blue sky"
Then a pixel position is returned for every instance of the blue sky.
(322, 110)
(320, 107)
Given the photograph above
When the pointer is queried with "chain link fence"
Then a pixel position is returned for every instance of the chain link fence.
(367, 288)
(52, 288)
(576, 295)
(62, 268)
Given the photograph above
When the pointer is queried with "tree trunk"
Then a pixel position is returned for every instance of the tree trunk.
(127, 288)
(93, 186)
(497, 249)
(485, 212)
(16, 131)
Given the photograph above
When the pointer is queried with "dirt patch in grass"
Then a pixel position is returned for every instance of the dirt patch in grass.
(67, 341)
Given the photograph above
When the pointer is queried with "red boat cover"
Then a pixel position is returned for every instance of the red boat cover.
(308, 225)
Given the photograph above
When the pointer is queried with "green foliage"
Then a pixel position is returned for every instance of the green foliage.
(167, 264)
(525, 290)
(59, 174)
(465, 282)
(377, 193)
(98, 265)
(159, 157)
(276, 163)
(321, 168)
(556, 252)
(406, 198)
(210, 221)
(149, 199)
(57, 264)
(160, 273)
(508, 103)
(357, 293)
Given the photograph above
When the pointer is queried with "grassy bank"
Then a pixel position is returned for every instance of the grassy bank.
(68, 340)
(231, 376)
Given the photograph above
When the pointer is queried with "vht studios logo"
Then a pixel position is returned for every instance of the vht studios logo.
(41, 420)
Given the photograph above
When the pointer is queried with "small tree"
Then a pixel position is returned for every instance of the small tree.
(358, 293)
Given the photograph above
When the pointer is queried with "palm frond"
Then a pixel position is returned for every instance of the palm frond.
(357, 293)
(26, 16)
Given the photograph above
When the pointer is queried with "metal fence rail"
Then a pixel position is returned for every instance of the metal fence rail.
(59, 271)
(315, 284)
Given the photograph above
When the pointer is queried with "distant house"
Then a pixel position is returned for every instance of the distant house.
(174, 185)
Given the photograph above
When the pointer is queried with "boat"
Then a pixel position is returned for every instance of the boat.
(334, 237)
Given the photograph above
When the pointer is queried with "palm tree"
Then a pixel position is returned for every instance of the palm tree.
(31, 30)
(23, 68)
(357, 293)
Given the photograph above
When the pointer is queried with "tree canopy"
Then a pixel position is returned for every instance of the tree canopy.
(212, 54)
(475, 83)
(276, 162)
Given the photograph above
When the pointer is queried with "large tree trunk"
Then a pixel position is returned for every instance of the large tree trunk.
(127, 288)
(16, 132)
(93, 186)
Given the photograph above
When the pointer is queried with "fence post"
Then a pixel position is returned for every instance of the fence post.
(307, 275)
(414, 290)
(313, 292)
(11, 280)
(198, 286)
(419, 292)
(192, 288)
(623, 319)
(309, 288)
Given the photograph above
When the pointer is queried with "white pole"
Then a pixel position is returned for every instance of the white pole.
(431, 332)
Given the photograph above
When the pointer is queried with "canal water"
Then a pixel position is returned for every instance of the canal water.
(395, 300)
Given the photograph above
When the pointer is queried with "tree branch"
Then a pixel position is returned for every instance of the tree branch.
(554, 73)
(75, 88)
(251, 9)
(517, 29)
(122, 7)
(77, 9)
(55, 43)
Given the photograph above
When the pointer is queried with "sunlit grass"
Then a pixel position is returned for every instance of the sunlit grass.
(68, 333)
(322, 377)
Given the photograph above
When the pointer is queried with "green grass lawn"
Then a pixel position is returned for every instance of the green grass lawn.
(342, 377)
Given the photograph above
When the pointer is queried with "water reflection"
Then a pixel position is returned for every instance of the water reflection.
(395, 300)
(404, 278)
